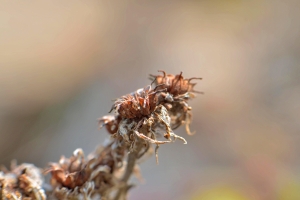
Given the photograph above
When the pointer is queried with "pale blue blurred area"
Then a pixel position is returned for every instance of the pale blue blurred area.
(247, 52)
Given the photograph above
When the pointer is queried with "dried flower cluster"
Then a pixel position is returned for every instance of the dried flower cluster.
(157, 110)
(140, 118)
(78, 177)
(179, 91)
(146, 114)
(21, 182)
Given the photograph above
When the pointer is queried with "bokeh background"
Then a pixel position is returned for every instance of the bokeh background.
(61, 63)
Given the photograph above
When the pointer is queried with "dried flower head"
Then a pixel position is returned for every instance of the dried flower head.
(83, 177)
(175, 99)
(137, 104)
(175, 84)
(21, 182)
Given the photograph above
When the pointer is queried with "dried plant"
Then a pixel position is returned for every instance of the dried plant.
(140, 118)
(21, 182)
(179, 91)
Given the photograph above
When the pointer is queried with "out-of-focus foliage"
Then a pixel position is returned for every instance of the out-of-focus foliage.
(220, 193)
(290, 191)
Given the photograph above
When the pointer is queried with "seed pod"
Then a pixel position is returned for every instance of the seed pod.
(175, 84)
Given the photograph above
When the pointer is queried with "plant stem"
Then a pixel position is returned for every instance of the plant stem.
(131, 160)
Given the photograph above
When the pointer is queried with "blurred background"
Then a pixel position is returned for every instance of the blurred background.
(61, 64)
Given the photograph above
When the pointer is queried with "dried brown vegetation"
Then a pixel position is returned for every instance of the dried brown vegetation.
(141, 117)
(21, 182)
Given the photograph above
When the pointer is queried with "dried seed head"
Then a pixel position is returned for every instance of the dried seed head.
(137, 104)
(175, 84)
(22, 182)
(74, 176)
(181, 90)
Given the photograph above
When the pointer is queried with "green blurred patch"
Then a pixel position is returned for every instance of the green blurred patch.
(220, 193)
(290, 191)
